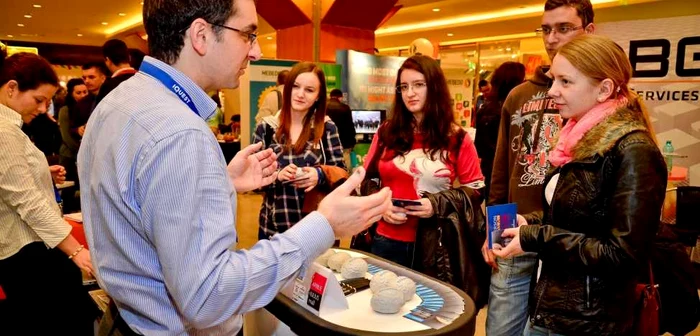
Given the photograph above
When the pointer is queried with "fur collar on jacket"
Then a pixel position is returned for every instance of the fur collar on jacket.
(604, 136)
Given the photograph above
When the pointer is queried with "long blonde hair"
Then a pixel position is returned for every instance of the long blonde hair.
(598, 58)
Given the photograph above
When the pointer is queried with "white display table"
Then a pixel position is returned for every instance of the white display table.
(453, 310)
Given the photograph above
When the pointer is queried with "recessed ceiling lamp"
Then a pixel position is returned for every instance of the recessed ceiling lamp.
(79, 35)
(36, 6)
(450, 34)
(104, 23)
(28, 16)
(436, 9)
(10, 36)
(269, 37)
(20, 25)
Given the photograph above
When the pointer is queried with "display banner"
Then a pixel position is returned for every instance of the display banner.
(263, 79)
(459, 84)
(665, 57)
(369, 80)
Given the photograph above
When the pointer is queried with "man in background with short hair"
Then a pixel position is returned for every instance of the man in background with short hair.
(116, 55)
(341, 115)
(528, 120)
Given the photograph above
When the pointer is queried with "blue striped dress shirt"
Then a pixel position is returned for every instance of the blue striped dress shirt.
(159, 211)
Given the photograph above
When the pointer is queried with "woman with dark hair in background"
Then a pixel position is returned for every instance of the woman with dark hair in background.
(305, 141)
(38, 255)
(421, 151)
(507, 76)
(76, 90)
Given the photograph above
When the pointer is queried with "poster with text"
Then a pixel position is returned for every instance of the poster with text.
(369, 80)
(666, 64)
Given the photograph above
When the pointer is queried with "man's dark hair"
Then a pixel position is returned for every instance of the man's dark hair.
(101, 67)
(137, 57)
(483, 83)
(584, 9)
(336, 93)
(167, 20)
(282, 77)
(117, 51)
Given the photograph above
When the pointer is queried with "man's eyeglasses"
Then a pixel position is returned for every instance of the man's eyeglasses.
(252, 37)
(561, 30)
(405, 87)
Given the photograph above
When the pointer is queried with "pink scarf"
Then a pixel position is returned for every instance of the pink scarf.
(574, 130)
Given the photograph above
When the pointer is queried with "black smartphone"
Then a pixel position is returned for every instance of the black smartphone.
(402, 203)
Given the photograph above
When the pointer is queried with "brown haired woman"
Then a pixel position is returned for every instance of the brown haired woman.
(304, 140)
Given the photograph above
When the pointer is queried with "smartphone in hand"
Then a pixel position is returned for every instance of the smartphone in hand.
(402, 203)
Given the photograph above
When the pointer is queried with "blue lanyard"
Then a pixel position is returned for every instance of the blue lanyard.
(170, 83)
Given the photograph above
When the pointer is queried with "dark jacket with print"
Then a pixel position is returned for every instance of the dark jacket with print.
(595, 236)
(448, 244)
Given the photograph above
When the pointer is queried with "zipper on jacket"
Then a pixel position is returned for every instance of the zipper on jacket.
(588, 291)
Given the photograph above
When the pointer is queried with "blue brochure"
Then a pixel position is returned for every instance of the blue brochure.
(499, 218)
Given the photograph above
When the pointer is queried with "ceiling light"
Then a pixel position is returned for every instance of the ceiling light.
(80, 35)
(508, 49)
(450, 34)
(10, 36)
(28, 16)
(104, 23)
(122, 14)
(141, 3)
(20, 25)
(269, 37)
(436, 9)
(36, 6)
(472, 19)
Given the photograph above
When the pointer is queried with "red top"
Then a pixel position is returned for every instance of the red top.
(415, 175)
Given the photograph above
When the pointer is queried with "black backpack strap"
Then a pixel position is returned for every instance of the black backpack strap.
(269, 132)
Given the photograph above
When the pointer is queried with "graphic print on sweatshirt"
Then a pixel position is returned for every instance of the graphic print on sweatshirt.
(428, 176)
(533, 149)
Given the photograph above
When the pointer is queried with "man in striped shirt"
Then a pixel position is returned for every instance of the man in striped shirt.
(159, 203)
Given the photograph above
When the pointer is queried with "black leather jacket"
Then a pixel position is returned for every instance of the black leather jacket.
(454, 236)
(595, 235)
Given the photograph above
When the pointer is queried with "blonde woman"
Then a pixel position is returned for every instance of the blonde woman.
(603, 199)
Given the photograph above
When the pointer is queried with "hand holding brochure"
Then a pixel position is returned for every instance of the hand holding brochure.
(499, 218)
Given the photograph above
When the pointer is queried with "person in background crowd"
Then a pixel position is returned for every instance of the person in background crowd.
(341, 115)
(529, 122)
(484, 89)
(94, 76)
(116, 55)
(77, 90)
(44, 133)
(136, 57)
(218, 120)
(603, 200)
(304, 138)
(159, 202)
(507, 76)
(40, 261)
(272, 102)
(421, 151)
